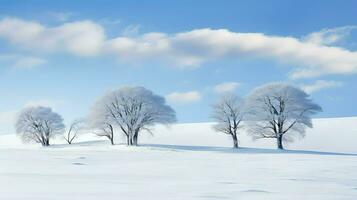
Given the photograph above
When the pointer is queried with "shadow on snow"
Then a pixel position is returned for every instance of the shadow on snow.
(242, 150)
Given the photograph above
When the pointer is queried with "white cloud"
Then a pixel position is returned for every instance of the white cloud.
(82, 38)
(149, 46)
(319, 85)
(329, 36)
(18, 61)
(309, 57)
(184, 97)
(28, 62)
(225, 87)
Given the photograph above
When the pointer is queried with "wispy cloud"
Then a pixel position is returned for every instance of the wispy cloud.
(319, 85)
(28, 62)
(329, 36)
(132, 30)
(18, 61)
(226, 87)
(310, 57)
(184, 97)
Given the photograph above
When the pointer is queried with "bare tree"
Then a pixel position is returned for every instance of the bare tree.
(133, 109)
(228, 112)
(278, 110)
(73, 130)
(38, 124)
(105, 129)
(101, 123)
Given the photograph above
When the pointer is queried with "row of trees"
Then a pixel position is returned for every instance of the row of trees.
(129, 109)
(274, 110)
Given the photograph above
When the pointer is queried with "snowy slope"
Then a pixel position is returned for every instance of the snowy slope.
(329, 134)
(185, 161)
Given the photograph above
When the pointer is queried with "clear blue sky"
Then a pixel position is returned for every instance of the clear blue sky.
(66, 54)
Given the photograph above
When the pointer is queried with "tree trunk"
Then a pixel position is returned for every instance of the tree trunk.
(46, 143)
(235, 141)
(130, 140)
(111, 140)
(127, 140)
(111, 135)
(68, 141)
(279, 141)
(135, 139)
(43, 141)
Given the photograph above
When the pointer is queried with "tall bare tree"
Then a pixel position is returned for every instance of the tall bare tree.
(228, 112)
(281, 111)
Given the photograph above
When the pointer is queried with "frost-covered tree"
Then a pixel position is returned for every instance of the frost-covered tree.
(228, 112)
(281, 111)
(101, 123)
(38, 124)
(73, 130)
(133, 109)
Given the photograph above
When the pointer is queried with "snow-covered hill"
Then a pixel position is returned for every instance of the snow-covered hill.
(185, 161)
(328, 134)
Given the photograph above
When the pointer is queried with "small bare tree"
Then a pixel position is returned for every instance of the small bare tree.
(73, 130)
(101, 124)
(278, 110)
(133, 109)
(228, 112)
(106, 130)
(38, 124)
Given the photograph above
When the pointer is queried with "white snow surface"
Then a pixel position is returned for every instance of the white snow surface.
(184, 162)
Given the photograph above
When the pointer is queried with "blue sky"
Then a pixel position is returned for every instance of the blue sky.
(66, 54)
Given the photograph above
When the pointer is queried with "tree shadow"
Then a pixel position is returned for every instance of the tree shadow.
(81, 144)
(168, 147)
(242, 150)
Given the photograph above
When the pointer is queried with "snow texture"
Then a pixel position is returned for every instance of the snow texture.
(185, 161)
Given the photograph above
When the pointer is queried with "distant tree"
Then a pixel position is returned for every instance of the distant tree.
(279, 110)
(133, 109)
(73, 130)
(103, 125)
(228, 112)
(38, 124)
